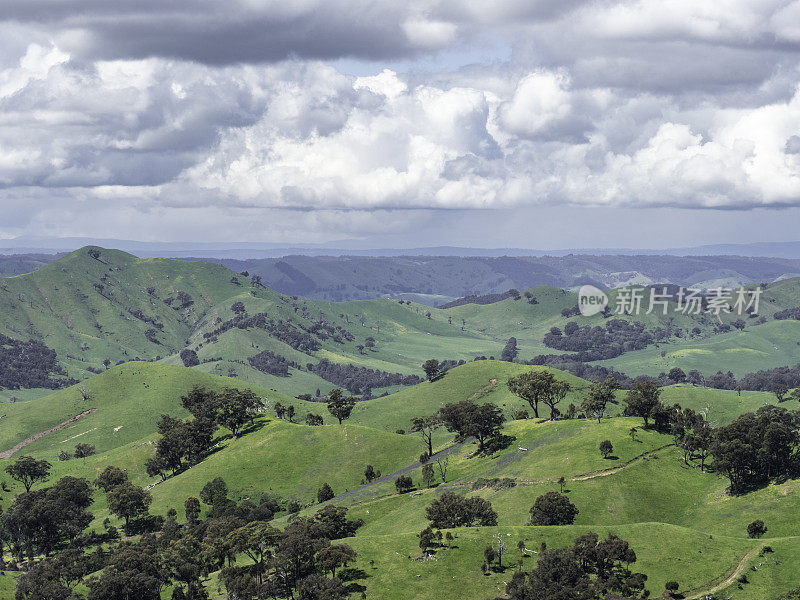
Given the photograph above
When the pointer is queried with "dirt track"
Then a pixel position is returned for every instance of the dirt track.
(41, 434)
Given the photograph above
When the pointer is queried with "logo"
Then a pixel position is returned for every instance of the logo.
(591, 301)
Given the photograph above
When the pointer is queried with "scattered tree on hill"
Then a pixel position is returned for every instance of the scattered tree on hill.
(403, 484)
(677, 375)
(601, 394)
(426, 426)
(236, 408)
(313, 419)
(428, 474)
(757, 447)
(451, 510)
(467, 419)
(780, 391)
(340, 406)
(83, 451)
(553, 508)
(431, 368)
(110, 478)
(539, 386)
(370, 474)
(128, 501)
(642, 399)
(509, 353)
(756, 529)
(606, 448)
(189, 358)
(325, 493)
(28, 471)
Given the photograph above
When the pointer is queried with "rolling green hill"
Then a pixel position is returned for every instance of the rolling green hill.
(681, 522)
(97, 307)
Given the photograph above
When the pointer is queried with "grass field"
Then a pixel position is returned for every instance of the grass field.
(680, 521)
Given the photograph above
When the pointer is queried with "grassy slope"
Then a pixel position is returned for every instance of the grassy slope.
(766, 346)
(679, 521)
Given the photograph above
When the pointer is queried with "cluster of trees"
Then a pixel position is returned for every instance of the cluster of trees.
(591, 568)
(598, 343)
(482, 299)
(30, 364)
(789, 313)
(184, 443)
(563, 362)
(282, 330)
(255, 559)
(271, 363)
(757, 447)
(357, 379)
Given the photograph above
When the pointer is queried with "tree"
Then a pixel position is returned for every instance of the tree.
(27, 470)
(128, 501)
(236, 407)
(600, 395)
(403, 484)
(189, 357)
(134, 571)
(83, 451)
(780, 391)
(428, 474)
(313, 420)
(553, 508)
(110, 478)
(509, 353)
(426, 426)
(333, 557)
(557, 393)
(255, 541)
(756, 529)
(441, 466)
(671, 587)
(426, 538)
(370, 474)
(468, 419)
(642, 399)
(451, 510)
(340, 406)
(191, 509)
(325, 493)
(677, 375)
(432, 368)
(606, 448)
(539, 386)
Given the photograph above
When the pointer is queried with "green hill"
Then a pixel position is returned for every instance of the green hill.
(681, 523)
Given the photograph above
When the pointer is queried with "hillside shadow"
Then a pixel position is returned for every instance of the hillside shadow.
(495, 444)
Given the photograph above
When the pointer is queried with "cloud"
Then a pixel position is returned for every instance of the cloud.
(232, 114)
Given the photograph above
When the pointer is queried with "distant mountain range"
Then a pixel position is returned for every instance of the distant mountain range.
(368, 247)
(436, 278)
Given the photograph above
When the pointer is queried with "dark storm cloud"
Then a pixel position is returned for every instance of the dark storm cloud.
(217, 32)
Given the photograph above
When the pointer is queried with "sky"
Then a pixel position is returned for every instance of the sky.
(519, 123)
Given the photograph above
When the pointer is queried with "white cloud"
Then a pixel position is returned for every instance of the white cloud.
(638, 103)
